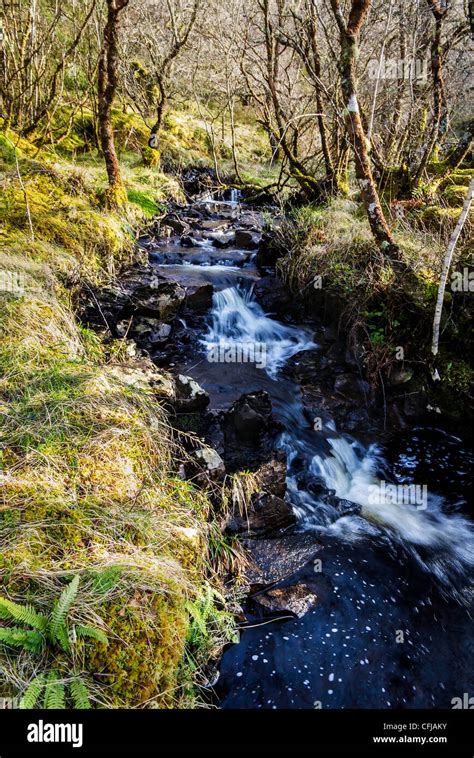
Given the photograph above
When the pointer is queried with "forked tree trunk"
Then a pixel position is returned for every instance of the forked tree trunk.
(349, 38)
(107, 86)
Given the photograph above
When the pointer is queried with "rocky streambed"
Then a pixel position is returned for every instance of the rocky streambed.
(355, 598)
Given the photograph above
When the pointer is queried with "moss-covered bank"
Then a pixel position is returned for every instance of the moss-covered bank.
(88, 461)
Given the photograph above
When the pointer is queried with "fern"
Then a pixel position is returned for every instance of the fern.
(24, 613)
(32, 693)
(79, 694)
(62, 638)
(83, 630)
(62, 607)
(55, 696)
(23, 639)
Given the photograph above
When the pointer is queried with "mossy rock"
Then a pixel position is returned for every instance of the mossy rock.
(146, 644)
(454, 195)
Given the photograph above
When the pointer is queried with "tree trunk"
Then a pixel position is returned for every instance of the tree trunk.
(438, 88)
(349, 37)
(107, 78)
(446, 265)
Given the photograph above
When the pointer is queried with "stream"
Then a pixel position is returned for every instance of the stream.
(391, 623)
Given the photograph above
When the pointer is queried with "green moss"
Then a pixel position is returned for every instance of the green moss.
(144, 201)
(88, 480)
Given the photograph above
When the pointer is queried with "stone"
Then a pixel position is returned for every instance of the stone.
(189, 395)
(266, 514)
(246, 239)
(147, 331)
(143, 374)
(250, 431)
(159, 296)
(176, 223)
(208, 462)
(352, 387)
(188, 241)
(213, 225)
(296, 598)
(273, 560)
(400, 375)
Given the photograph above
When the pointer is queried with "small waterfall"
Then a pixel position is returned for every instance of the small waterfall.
(240, 329)
(443, 544)
(235, 195)
(240, 332)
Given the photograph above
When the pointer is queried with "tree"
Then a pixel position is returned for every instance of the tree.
(349, 32)
(107, 86)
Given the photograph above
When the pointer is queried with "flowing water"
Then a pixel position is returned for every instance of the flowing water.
(391, 625)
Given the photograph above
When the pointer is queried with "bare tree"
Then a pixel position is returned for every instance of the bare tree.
(107, 86)
(349, 31)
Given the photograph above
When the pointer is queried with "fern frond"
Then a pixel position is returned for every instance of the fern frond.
(83, 630)
(63, 606)
(55, 695)
(23, 613)
(32, 693)
(79, 694)
(22, 639)
(62, 638)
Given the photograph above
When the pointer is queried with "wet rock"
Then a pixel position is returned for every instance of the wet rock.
(176, 223)
(147, 331)
(205, 464)
(352, 387)
(268, 252)
(253, 220)
(250, 431)
(246, 240)
(188, 241)
(267, 511)
(266, 514)
(303, 367)
(336, 355)
(190, 397)
(274, 297)
(295, 598)
(158, 296)
(198, 298)
(271, 476)
(400, 375)
(273, 560)
(214, 225)
(222, 241)
(197, 294)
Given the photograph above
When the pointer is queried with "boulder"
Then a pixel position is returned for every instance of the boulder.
(188, 241)
(158, 296)
(268, 252)
(295, 598)
(213, 225)
(176, 223)
(266, 514)
(250, 431)
(273, 560)
(189, 396)
(145, 330)
(274, 297)
(352, 387)
(400, 375)
(246, 239)
(205, 464)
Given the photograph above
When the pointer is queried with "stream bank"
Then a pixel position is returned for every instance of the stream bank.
(355, 599)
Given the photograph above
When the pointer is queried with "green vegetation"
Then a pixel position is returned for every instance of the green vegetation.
(383, 304)
(88, 483)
